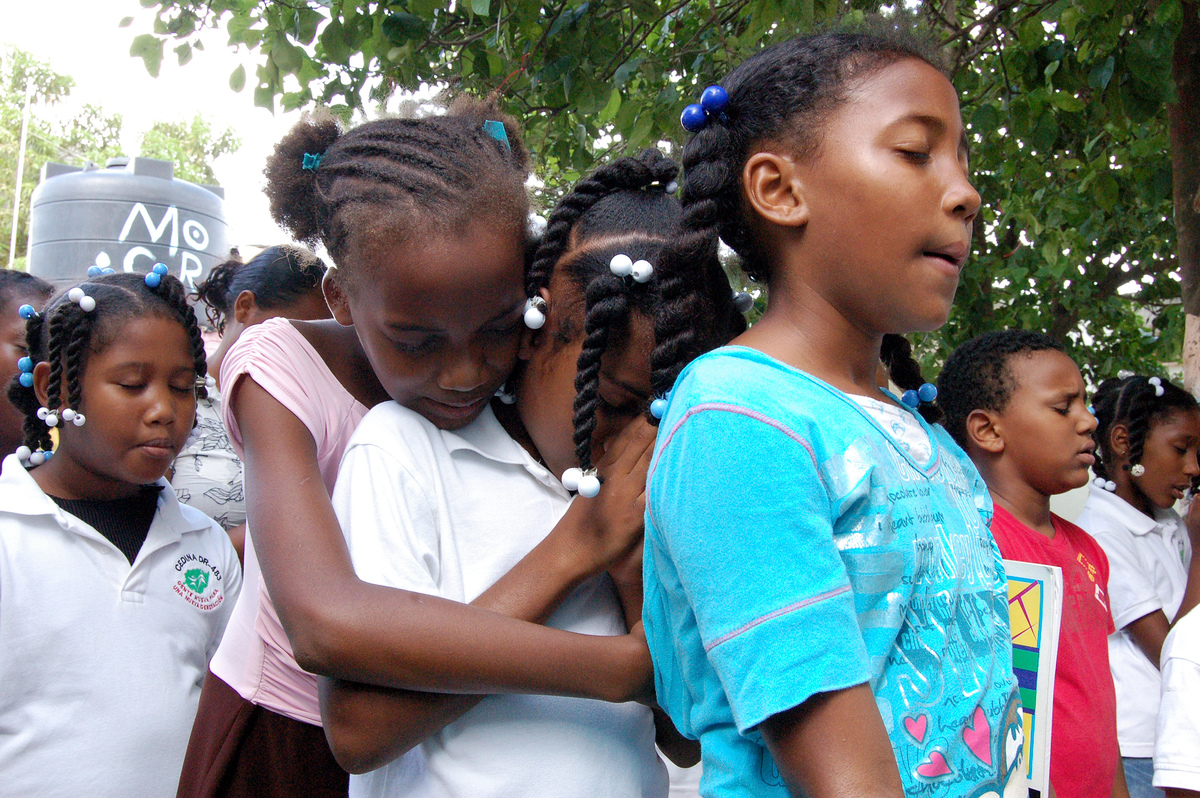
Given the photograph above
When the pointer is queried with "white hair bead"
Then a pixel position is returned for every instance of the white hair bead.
(571, 477)
(23, 452)
(37, 458)
(87, 304)
(535, 316)
(75, 294)
(643, 270)
(68, 414)
(1137, 470)
(1110, 486)
(589, 485)
(42, 412)
(79, 419)
(51, 420)
(621, 265)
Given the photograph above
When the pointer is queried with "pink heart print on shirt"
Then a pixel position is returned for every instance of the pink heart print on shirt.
(978, 736)
(916, 727)
(934, 766)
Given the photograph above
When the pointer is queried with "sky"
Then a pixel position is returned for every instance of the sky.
(82, 38)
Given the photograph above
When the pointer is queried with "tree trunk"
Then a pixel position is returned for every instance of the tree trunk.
(1183, 119)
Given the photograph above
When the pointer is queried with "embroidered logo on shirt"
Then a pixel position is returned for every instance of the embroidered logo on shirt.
(199, 583)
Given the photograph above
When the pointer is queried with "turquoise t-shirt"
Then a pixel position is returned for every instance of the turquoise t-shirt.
(792, 548)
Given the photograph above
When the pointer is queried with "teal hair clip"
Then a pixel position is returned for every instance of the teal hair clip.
(496, 130)
(312, 160)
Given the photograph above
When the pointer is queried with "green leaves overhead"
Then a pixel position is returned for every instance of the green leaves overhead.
(1065, 104)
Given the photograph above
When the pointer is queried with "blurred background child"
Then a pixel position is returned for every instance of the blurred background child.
(16, 289)
(1148, 436)
(1017, 405)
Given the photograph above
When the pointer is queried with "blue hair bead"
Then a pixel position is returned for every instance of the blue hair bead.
(693, 118)
(160, 269)
(910, 399)
(927, 392)
(94, 271)
(47, 455)
(714, 100)
(26, 311)
(658, 408)
(153, 279)
(26, 379)
(108, 270)
(25, 363)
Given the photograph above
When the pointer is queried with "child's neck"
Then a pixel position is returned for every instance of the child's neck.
(65, 478)
(1136, 499)
(1028, 505)
(803, 330)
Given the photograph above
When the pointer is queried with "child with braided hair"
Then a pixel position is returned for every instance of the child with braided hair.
(449, 512)
(425, 221)
(16, 289)
(113, 595)
(825, 608)
(1148, 437)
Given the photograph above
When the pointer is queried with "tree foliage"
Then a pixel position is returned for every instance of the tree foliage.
(191, 146)
(1065, 101)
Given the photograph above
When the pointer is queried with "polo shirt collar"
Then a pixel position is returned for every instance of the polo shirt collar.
(21, 495)
(485, 436)
(1121, 511)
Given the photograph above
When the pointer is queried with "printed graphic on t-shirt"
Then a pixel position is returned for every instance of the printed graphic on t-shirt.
(199, 582)
(930, 597)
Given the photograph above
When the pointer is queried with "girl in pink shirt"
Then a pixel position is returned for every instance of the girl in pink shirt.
(425, 221)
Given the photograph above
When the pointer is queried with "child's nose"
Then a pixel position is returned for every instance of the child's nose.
(961, 197)
(465, 370)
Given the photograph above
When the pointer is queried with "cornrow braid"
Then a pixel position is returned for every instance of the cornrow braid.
(325, 184)
(1133, 402)
(35, 432)
(905, 371)
(608, 305)
(64, 335)
(649, 168)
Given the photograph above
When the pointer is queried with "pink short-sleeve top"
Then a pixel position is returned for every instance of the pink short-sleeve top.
(255, 656)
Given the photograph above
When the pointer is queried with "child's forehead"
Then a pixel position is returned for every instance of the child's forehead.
(1040, 371)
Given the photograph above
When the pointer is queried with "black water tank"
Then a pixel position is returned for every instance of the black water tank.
(129, 215)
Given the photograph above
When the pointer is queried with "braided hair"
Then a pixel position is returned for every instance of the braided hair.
(978, 375)
(277, 276)
(1133, 402)
(623, 208)
(64, 334)
(783, 93)
(326, 184)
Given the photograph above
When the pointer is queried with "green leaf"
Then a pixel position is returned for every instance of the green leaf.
(264, 97)
(1105, 191)
(333, 43)
(1066, 101)
(125, 22)
(149, 48)
(237, 80)
(610, 109)
(400, 27)
(1102, 73)
(184, 53)
(480, 7)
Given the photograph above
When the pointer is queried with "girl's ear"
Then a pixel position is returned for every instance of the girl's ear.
(532, 339)
(1118, 440)
(774, 189)
(335, 297)
(984, 432)
(243, 306)
(41, 382)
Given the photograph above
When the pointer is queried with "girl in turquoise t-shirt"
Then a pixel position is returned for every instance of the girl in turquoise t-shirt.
(825, 607)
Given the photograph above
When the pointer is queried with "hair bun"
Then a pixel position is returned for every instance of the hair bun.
(292, 189)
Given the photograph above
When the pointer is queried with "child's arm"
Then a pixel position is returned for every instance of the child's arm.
(1120, 787)
(834, 744)
(342, 627)
(368, 727)
(1150, 631)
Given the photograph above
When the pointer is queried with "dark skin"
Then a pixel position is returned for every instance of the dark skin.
(893, 153)
(1169, 455)
(368, 727)
(1039, 445)
(12, 348)
(344, 628)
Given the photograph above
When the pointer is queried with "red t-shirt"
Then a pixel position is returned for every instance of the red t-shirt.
(1083, 744)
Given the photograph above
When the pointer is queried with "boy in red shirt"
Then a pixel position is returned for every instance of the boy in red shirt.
(1017, 405)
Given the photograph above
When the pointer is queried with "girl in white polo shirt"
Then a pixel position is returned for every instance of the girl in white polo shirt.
(112, 595)
(448, 513)
(1148, 434)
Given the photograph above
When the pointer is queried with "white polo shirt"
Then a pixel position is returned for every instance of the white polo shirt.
(1177, 751)
(101, 662)
(1147, 560)
(447, 514)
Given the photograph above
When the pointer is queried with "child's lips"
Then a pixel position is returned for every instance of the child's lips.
(1088, 458)
(158, 448)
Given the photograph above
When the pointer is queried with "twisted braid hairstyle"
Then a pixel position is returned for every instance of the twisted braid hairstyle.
(621, 208)
(277, 276)
(781, 95)
(65, 335)
(440, 172)
(978, 375)
(1131, 401)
